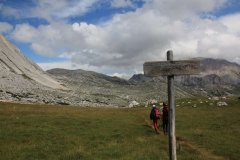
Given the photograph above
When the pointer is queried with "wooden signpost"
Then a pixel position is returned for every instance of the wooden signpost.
(170, 68)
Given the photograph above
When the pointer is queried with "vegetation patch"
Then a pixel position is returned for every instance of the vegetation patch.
(65, 132)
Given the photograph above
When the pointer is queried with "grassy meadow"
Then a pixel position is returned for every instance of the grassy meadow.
(34, 132)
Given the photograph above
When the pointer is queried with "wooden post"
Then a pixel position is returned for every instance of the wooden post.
(171, 120)
(170, 69)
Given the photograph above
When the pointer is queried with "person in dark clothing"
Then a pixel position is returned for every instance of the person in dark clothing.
(165, 118)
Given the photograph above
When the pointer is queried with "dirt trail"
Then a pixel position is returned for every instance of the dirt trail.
(202, 151)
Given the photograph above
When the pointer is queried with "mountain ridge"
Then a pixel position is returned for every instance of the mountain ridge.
(218, 77)
(23, 81)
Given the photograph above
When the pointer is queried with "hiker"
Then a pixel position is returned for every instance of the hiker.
(154, 116)
(165, 118)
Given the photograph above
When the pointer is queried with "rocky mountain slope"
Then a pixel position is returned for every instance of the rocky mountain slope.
(218, 77)
(21, 80)
(114, 91)
(13, 62)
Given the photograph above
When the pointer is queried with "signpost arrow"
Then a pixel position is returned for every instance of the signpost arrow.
(170, 68)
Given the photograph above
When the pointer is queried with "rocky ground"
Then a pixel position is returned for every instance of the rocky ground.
(113, 91)
(86, 88)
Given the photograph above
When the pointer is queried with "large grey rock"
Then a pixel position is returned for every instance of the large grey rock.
(12, 61)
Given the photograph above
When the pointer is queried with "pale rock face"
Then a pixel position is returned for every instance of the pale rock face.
(12, 61)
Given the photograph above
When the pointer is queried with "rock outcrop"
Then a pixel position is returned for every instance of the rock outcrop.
(218, 78)
(13, 62)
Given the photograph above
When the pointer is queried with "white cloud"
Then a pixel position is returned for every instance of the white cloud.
(9, 11)
(24, 33)
(176, 9)
(5, 27)
(121, 3)
(122, 44)
(59, 9)
(220, 45)
(121, 75)
(232, 22)
(64, 64)
(50, 10)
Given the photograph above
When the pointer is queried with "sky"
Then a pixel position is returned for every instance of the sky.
(115, 37)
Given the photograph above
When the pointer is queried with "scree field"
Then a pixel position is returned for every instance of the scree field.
(34, 132)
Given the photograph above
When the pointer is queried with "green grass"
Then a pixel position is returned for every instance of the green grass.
(35, 132)
(215, 128)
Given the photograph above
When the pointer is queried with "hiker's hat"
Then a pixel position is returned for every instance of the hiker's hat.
(153, 106)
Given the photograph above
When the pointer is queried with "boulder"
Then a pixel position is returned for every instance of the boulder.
(133, 104)
(215, 98)
(221, 104)
(62, 102)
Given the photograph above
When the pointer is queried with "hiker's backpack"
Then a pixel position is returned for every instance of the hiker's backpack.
(153, 114)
